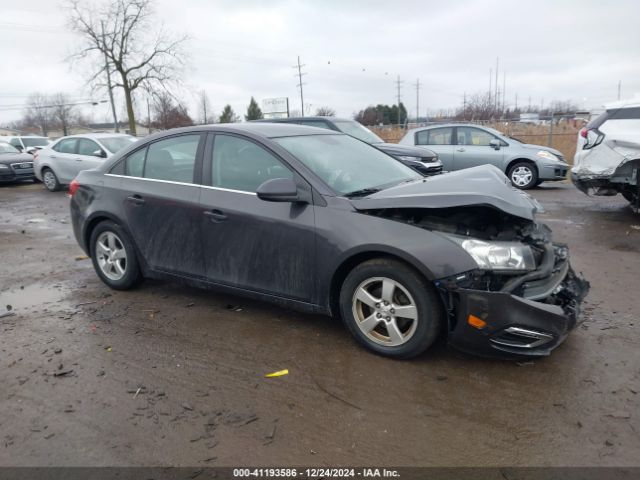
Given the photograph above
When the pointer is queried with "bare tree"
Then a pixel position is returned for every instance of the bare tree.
(325, 112)
(206, 115)
(168, 113)
(38, 112)
(122, 33)
(62, 111)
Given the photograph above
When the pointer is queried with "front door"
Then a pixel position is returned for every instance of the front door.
(267, 247)
(440, 141)
(87, 155)
(161, 200)
(473, 148)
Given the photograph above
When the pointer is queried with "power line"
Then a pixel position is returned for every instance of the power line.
(300, 83)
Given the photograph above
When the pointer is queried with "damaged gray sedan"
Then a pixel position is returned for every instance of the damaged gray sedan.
(322, 222)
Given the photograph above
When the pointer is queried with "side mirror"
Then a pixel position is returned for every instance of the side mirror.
(495, 144)
(278, 190)
(100, 153)
(20, 148)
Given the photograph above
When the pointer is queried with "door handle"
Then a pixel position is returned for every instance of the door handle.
(136, 200)
(78, 159)
(215, 215)
(461, 149)
(53, 156)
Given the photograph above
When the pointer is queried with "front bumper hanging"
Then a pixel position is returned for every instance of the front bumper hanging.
(530, 319)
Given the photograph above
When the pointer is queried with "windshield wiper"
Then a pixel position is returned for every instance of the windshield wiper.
(362, 192)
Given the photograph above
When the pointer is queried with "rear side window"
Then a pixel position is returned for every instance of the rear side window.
(173, 159)
(434, 136)
(239, 164)
(68, 145)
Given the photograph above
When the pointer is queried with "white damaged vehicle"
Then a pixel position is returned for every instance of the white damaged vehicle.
(607, 157)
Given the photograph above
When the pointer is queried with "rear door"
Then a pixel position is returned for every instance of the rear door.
(440, 140)
(161, 199)
(267, 247)
(473, 148)
(63, 159)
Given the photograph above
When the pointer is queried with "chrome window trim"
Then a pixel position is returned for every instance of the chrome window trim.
(180, 183)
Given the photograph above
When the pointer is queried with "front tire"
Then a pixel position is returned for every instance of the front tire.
(523, 175)
(114, 257)
(390, 309)
(50, 180)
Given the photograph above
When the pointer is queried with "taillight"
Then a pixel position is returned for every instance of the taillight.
(583, 132)
(73, 187)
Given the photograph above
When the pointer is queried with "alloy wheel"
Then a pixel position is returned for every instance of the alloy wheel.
(111, 256)
(385, 311)
(521, 176)
(49, 180)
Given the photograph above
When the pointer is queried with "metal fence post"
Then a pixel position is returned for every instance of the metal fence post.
(550, 139)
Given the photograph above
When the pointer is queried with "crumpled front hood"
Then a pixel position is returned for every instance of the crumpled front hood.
(409, 151)
(482, 185)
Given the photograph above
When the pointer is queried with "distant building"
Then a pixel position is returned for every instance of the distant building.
(4, 131)
(532, 118)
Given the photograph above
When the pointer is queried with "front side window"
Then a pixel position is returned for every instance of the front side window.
(16, 143)
(238, 164)
(474, 136)
(115, 144)
(68, 145)
(434, 136)
(87, 147)
(173, 159)
(346, 164)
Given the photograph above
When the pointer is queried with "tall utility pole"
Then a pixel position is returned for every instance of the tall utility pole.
(496, 86)
(417, 85)
(490, 88)
(504, 90)
(516, 107)
(300, 84)
(619, 88)
(148, 116)
(204, 106)
(108, 70)
(464, 106)
(398, 84)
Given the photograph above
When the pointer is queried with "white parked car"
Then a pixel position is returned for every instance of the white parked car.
(607, 160)
(26, 143)
(61, 161)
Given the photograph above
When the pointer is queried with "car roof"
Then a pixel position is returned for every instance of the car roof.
(96, 136)
(633, 102)
(297, 119)
(263, 129)
(446, 125)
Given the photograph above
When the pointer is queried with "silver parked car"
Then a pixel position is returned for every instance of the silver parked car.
(61, 161)
(466, 145)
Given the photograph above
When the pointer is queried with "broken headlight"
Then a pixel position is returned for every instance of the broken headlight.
(511, 256)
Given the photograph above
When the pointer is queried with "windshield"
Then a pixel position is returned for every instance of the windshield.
(115, 144)
(35, 141)
(345, 164)
(355, 129)
(6, 148)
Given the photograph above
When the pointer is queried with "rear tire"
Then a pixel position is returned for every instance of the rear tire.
(523, 175)
(114, 256)
(50, 180)
(390, 309)
(629, 196)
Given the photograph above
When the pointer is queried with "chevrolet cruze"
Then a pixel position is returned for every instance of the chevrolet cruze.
(323, 222)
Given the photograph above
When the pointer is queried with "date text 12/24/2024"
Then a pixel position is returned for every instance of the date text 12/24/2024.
(309, 473)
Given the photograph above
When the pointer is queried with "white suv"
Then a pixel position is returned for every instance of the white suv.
(607, 160)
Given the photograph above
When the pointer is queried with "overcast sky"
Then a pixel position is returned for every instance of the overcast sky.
(353, 51)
